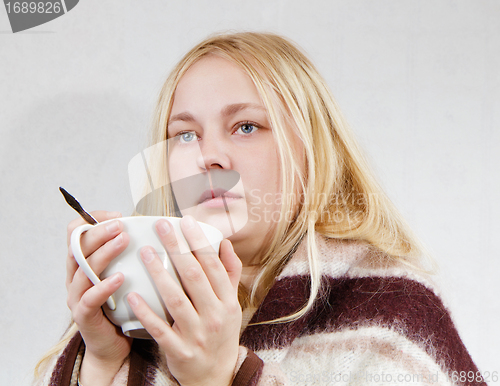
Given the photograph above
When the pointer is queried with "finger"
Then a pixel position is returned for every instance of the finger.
(101, 258)
(231, 262)
(95, 237)
(90, 303)
(206, 256)
(71, 264)
(76, 287)
(161, 332)
(108, 251)
(175, 299)
(98, 261)
(99, 215)
(71, 268)
(193, 278)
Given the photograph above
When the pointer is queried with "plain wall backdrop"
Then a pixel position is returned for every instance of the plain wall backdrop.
(418, 81)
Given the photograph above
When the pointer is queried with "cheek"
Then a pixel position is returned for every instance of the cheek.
(263, 182)
(272, 170)
(187, 186)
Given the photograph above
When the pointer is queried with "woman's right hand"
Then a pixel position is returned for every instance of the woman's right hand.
(105, 345)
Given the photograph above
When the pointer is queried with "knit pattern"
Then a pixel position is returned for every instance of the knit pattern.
(375, 321)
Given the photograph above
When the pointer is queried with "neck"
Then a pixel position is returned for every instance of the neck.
(248, 274)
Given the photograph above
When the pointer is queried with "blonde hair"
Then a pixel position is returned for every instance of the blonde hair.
(339, 196)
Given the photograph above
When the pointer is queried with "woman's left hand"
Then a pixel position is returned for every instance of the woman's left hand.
(201, 346)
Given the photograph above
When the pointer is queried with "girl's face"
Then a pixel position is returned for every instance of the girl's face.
(219, 124)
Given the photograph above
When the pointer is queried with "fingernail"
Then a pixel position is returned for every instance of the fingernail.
(132, 299)
(115, 278)
(112, 227)
(188, 222)
(147, 255)
(118, 240)
(163, 228)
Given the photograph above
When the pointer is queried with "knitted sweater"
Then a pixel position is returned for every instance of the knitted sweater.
(371, 324)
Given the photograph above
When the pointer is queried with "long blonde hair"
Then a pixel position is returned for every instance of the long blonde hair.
(339, 196)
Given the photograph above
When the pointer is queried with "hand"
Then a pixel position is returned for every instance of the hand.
(201, 347)
(106, 346)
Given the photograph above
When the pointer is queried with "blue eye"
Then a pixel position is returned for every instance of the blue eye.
(187, 137)
(247, 128)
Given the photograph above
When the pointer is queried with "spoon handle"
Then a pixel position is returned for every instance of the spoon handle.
(76, 206)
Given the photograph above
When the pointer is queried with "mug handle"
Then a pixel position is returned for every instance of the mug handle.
(76, 248)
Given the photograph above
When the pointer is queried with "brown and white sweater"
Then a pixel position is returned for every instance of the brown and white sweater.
(369, 325)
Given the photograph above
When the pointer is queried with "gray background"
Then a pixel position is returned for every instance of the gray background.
(418, 81)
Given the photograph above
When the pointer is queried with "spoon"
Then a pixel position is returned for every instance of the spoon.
(72, 201)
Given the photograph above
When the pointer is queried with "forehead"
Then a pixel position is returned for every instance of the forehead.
(214, 80)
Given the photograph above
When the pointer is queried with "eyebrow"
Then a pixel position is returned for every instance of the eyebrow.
(226, 112)
(237, 107)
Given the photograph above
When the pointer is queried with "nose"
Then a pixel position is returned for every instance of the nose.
(214, 154)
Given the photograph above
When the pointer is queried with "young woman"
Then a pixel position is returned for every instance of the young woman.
(321, 284)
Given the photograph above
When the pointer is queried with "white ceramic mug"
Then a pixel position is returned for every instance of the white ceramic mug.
(142, 232)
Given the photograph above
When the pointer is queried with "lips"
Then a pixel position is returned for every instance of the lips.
(210, 194)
